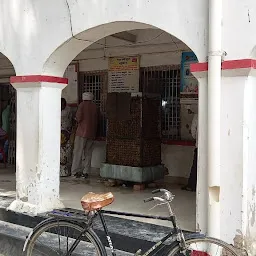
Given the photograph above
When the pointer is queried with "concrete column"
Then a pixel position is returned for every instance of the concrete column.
(237, 200)
(38, 143)
(202, 177)
(238, 161)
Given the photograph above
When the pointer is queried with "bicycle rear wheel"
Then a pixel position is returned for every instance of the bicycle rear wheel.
(56, 238)
(205, 247)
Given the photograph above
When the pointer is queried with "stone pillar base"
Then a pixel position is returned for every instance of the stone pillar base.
(31, 209)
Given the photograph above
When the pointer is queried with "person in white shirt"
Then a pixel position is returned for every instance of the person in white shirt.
(192, 181)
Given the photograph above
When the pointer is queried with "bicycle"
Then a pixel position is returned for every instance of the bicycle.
(45, 239)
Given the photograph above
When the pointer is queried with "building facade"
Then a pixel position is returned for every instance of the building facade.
(41, 38)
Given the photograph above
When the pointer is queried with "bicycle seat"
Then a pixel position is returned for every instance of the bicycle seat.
(94, 202)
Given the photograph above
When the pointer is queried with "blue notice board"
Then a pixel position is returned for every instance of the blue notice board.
(189, 84)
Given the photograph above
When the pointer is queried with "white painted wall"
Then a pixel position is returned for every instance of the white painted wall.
(138, 15)
(238, 150)
(231, 182)
(155, 48)
(249, 163)
(242, 18)
(177, 159)
(27, 25)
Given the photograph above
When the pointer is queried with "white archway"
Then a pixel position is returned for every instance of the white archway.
(58, 61)
(83, 35)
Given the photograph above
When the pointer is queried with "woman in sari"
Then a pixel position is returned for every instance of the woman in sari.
(66, 145)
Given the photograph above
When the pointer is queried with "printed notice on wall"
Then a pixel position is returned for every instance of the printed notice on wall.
(123, 74)
(189, 84)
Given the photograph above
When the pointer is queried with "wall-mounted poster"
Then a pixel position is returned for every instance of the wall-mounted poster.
(123, 74)
(189, 84)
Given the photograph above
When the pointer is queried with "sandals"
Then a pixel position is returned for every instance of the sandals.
(79, 175)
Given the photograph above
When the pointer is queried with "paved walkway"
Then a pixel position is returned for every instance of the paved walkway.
(126, 199)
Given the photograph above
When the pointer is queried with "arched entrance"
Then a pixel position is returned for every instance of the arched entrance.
(55, 65)
(90, 39)
(160, 72)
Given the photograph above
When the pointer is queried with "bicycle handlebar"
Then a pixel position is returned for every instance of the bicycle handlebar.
(148, 199)
(167, 197)
(161, 190)
(155, 199)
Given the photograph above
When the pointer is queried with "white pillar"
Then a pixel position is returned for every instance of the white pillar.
(238, 161)
(202, 173)
(38, 143)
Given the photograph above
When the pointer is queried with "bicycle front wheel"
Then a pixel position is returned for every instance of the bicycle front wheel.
(62, 237)
(205, 247)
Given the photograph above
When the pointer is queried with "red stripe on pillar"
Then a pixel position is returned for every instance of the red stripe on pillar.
(38, 78)
(199, 67)
(229, 64)
(237, 64)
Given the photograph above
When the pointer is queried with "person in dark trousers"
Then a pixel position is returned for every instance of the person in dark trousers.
(192, 181)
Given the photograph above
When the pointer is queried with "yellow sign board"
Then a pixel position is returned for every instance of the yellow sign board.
(124, 63)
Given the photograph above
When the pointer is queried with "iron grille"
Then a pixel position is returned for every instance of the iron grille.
(7, 92)
(96, 83)
(165, 80)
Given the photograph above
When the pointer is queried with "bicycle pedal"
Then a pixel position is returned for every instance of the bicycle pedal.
(138, 253)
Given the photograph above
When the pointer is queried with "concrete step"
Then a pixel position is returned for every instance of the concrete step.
(12, 239)
(127, 235)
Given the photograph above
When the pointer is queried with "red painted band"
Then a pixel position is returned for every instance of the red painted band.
(38, 78)
(226, 65)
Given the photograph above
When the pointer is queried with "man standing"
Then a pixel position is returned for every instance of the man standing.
(192, 181)
(86, 118)
(6, 117)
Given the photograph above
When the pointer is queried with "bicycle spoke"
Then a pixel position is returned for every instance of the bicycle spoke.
(67, 237)
(59, 236)
(62, 238)
(44, 245)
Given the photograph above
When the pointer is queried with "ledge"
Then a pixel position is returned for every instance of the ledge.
(187, 143)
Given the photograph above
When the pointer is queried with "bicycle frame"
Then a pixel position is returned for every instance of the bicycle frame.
(156, 247)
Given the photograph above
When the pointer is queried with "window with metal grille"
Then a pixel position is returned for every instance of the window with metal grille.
(96, 83)
(165, 80)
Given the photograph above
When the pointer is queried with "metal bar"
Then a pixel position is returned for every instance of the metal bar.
(77, 241)
(107, 233)
(158, 246)
(138, 215)
(173, 104)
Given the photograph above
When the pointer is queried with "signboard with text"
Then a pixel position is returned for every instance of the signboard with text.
(123, 74)
(189, 84)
